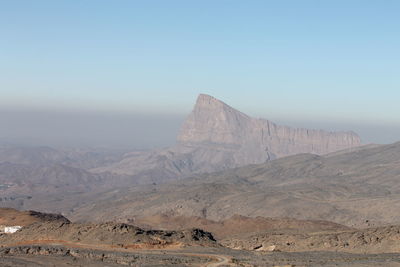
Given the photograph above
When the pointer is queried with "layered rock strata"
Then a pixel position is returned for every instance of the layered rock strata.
(216, 126)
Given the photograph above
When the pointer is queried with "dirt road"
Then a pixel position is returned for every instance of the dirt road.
(222, 260)
(219, 260)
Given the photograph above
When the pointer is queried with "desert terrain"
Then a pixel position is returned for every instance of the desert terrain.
(233, 191)
(59, 242)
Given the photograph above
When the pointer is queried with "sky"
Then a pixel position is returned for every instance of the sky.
(328, 64)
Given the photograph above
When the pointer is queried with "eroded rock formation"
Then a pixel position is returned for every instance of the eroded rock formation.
(216, 126)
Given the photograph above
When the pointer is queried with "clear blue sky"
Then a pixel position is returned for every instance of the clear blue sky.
(297, 60)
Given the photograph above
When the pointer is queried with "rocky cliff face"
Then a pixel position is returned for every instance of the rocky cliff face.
(217, 137)
(216, 126)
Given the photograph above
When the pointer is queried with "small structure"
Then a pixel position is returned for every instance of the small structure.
(267, 248)
(11, 229)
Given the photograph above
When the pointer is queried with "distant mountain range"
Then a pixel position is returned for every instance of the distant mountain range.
(358, 188)
(216, 137)
(232, 164)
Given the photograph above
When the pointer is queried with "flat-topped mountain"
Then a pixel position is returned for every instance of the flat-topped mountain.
(213, 123)
(216, 137)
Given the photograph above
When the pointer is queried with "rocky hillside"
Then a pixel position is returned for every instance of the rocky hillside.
(214, 124)
(11, 217)
(357, 188)
(372, 240)
(238, 225)
(216, 137)
(110, 234)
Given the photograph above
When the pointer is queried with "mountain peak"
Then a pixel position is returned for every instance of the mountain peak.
(213, 123)
(213, 107)
(207, 102)
(206, 98)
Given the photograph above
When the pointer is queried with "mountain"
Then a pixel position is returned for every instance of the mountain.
(42, 155)
(25, 186)
(55, 175)
(214, 124)
(216, 137)
(357, 188)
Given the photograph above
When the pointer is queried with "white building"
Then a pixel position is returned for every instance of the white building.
(11, 229)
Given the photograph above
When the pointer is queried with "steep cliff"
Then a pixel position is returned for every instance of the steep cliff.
(217, 137)
(215, 125)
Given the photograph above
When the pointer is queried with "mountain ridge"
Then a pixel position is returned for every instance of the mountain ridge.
(216, 123)
(357, 189)
(215, 136)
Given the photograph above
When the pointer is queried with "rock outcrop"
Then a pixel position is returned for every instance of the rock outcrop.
(11, 217)
(110, 234)
(217, 137)
(218, 127)
(369, 240)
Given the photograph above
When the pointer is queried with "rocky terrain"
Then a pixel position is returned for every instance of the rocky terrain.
(81, 158)
(107, 234)
(357, 188)
(34, 256)
(44, 255)
(47, 239)
(370, 240)
(10, 217)
(216, 125)
(54, 240)
(237, 225)
(215, 137)
(67, 244)
(233, 191)
(39, 226)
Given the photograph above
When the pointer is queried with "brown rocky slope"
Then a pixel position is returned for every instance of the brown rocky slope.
(238, 225)
(357, 189)
(11, 217)
(106, 234)
(370, 240)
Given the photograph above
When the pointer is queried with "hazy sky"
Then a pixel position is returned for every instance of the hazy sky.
(322, 63)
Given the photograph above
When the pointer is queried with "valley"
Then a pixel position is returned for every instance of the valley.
(233, 191)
